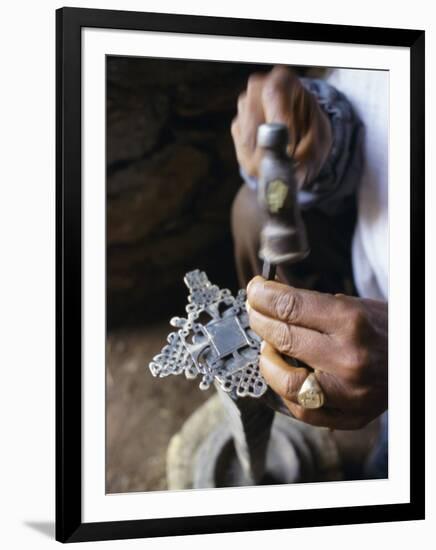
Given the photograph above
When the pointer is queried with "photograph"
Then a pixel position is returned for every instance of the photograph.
(239, 274)
(223, 175)
(217, 289)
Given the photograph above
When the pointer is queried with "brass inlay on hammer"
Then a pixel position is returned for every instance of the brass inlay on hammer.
(276, 195)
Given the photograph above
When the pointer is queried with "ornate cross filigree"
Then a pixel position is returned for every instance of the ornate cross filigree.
(214, 341)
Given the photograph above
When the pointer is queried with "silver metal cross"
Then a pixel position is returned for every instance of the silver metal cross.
(214, 341)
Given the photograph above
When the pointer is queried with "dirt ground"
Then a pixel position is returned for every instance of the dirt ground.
(142, 412)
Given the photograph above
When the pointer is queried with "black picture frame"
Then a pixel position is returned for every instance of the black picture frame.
(69, 525)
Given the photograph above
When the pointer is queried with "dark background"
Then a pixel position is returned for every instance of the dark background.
(171, 178)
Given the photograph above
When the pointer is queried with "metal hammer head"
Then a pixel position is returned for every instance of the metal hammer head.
(283, 238)
(273, 136)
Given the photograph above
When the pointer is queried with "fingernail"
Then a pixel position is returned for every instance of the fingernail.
(247, 306)
(250, 284)
(262, 346)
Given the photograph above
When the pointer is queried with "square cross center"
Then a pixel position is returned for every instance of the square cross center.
(227, 335)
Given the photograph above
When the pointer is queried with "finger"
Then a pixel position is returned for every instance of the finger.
(313, 143)
(286, 380)
(283, 378)
(306, 308)
(242, 99)
(313, 348)
(276, 95)
(234, 128)
(250, 116)
(251, 110)
(255, 84)
(334, 419)
(247, 158)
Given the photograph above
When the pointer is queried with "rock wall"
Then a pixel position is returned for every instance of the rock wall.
(171, 178)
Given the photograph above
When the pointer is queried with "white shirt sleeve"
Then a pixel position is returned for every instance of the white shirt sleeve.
(368, 92)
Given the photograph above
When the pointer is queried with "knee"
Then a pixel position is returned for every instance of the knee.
(245, 216)
(246, 223)
(237, 210)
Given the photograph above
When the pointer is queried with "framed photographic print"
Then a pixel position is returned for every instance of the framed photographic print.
(240, 274)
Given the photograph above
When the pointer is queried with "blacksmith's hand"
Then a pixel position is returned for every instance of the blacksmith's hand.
(345, 339)
(279, 96)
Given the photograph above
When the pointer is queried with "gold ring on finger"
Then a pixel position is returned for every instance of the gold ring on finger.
(311, 395)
